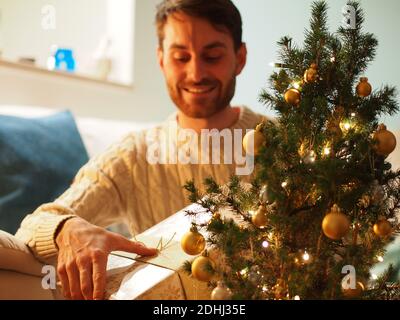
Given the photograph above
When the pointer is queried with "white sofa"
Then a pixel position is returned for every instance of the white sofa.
(20, 273)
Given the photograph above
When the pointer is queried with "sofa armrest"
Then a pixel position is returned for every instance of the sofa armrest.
(16, 256)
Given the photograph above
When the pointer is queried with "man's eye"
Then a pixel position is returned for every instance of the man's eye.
(182, 58)
(212, 58)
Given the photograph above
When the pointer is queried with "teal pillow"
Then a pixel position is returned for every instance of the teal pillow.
(39, 158)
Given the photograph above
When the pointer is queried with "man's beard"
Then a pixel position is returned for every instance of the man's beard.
(209, 108)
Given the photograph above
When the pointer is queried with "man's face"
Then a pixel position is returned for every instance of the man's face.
(200, 65)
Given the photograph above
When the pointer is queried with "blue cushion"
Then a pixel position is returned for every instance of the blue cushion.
(39, 158)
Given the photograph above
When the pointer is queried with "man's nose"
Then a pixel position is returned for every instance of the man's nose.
(197, 70)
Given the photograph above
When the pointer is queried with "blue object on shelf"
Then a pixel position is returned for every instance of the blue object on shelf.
(64, 60)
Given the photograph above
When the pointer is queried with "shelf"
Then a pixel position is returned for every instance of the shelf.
(62, 74)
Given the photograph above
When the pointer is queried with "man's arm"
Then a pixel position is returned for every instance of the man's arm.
(70, 227)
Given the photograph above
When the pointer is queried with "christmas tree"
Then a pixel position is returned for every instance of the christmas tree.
(323, 204)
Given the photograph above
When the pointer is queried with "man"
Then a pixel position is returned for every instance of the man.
(200, 53)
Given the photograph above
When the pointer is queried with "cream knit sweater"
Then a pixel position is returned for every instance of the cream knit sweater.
(121, 185)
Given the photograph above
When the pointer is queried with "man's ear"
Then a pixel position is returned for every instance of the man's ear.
(160, 57)
(241, 58)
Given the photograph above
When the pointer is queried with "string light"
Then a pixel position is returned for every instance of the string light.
(296, 85)
(284, 184)
(374, 276)
(244, 271)
(379, 258)
(296, 297)
(265, 244)
(306, 256)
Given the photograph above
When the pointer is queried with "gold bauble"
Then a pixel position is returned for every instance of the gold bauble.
(311, 74)
(354, 293)
(382, 228)
(221, 292)
(335, 224)
(193, 242)
(202, 268)
(363, 89)
(385, 141)
(253, 141)
(293, 97)
(260, 218)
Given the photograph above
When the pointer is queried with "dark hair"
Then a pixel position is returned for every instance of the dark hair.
(220, 13)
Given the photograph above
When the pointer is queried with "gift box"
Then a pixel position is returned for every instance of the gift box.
(130, 276)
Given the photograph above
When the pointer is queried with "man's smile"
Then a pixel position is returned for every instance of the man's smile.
(199, 90)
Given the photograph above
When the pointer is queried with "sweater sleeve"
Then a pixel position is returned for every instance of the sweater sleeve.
(98, 194)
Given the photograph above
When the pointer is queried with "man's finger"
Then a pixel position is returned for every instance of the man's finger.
(123, 244)
(99, 277)
(74, 282)
(85, 275)
(63, 276)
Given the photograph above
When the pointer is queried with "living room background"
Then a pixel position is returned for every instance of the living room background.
(147, 100)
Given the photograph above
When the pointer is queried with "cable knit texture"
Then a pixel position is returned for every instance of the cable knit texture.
(121, 185)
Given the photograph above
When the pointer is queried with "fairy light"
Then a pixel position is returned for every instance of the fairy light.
(327, 151)
(284, 184)
(346, 125)
(264, 288)
(244, 271)
(353, 114)
(306, 256)
(296, 85)
(374, 276)
(296, 297)
(379, 258)
(265, 244)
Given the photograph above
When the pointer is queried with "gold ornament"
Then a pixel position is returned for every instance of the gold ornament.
(382, 228)
(202, 268)
(335, 224)
(354, 293)
(311, 74)
(193, 242)
(363, 89)
(253, 141)
(260, 218)
(221, 292)
(385, 141)
(293, 97)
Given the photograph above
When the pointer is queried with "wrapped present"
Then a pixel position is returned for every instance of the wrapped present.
(130, 276)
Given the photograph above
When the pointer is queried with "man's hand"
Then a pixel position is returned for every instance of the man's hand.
(83, 254)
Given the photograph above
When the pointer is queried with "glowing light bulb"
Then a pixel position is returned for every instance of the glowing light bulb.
(379, 258)
(296, 298)
(296, 85)
(265, 244)
(306, 256)
(284, 184)
(374, 276)
(327, 151)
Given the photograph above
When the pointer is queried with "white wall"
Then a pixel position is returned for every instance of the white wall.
(265, 22)
(147, 101)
